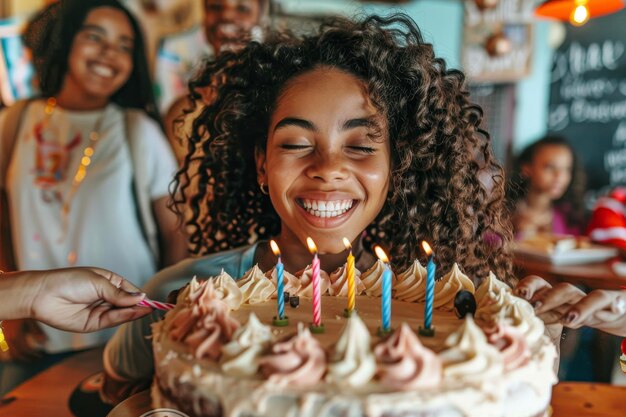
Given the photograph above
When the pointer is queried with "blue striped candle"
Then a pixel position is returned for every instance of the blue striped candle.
(386, 293)
(280, 285)
(430, 287)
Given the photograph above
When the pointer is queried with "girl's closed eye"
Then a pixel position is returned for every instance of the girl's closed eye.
(362, 149)
(296, 147)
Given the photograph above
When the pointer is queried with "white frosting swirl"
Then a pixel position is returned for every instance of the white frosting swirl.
(469, 357)
(255, 286)
(227, 290)
(241, 356)
(488, 289)
(492, 309)
(352, 361)
(521, 315)
(339, 282)
(291, 284)
(306, 287)
(447, 287)
(515, 312)
(411, 284)
(373, 279)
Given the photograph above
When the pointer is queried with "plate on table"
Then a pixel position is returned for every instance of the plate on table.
(563, 250)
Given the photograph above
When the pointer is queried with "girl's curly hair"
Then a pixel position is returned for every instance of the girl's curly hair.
(446, 187)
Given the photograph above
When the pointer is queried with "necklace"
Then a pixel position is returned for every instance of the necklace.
(81, 171)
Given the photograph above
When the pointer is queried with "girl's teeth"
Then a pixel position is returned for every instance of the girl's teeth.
(326, 209)
(102, 71)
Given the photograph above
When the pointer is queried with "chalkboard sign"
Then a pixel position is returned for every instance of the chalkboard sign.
(588, 97)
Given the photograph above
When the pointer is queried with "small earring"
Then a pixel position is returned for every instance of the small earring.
(264, 189)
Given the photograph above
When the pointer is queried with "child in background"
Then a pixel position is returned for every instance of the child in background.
(547, 193)
(226, 25)
(358, 131)
(71, 169)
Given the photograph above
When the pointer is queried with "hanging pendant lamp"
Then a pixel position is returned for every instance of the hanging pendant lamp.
(577, 12)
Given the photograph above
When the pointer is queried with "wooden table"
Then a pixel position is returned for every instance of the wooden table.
(594, 275)
(588, 400)
(47, 393)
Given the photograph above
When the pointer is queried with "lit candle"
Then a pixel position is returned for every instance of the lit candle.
(428, 330)
(386, 295)
(350, 274)
(316, 326)
(280, 319)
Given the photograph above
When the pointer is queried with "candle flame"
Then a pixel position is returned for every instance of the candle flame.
(347, 244)
(381, 254)
(311, 244)
(274, 247)
(427, 248)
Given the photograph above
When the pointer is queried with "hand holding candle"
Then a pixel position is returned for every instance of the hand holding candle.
(350, 274)
(428, 330)
(280, 319)
(386, 294)
(316, 326)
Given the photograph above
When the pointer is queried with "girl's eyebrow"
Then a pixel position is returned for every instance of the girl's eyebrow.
(294, 121)
(359, 122)
(308, 125)
(96, 28)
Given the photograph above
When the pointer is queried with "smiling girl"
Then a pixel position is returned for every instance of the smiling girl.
(359, 132)
(82, 160)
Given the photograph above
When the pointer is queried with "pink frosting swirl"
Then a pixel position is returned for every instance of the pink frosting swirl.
(204, 324)
(299, 361)
(511, 344)
(405, 364)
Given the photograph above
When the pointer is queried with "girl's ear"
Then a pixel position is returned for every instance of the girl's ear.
(525, 171)
(261, 172)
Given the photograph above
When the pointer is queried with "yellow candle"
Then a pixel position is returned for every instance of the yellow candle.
(350, 273)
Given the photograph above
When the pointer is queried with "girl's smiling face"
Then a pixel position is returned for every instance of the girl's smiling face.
(327, 161)
(100, 61)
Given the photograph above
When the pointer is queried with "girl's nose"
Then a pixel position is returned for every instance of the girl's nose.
(328, 167)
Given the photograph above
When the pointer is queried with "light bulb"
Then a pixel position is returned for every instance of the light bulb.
(580, 15)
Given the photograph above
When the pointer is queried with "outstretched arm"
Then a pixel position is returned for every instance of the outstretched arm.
(72, 299)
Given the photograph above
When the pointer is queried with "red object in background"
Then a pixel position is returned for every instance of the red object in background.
(608, 220)
(624, 346)
(562, 9)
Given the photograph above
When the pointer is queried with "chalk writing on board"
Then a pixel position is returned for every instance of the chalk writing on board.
(588, 98)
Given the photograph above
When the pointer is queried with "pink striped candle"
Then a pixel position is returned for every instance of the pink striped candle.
(157, 305)
(315, 282)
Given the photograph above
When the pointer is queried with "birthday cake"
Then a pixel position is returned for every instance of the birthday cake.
(218, 352)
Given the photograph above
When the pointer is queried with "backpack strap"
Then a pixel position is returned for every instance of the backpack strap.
(141, 187)
(8, 137)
